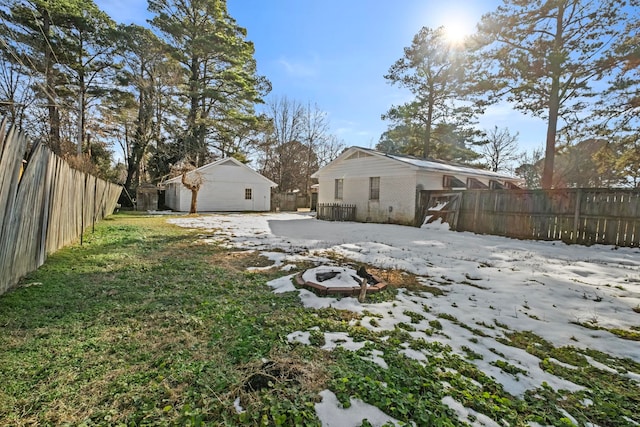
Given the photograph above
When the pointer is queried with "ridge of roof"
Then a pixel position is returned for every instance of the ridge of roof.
(432, 163)
(215, 163)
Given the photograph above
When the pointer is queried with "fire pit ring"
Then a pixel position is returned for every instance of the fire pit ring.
(334, 280)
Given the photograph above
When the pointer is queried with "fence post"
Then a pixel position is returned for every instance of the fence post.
(456, 214)
(576, 216)
(46, 205)
(475, 211)
(95, 197)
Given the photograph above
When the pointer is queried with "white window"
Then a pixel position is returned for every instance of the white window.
(374, 188)
(450, 181)
(475, 184)
(248, 194)
(338, 189)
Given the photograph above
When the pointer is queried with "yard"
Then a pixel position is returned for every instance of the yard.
(195, 320)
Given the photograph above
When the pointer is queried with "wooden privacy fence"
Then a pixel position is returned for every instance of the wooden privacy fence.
(336, 212)
(582, 216)
(289, 201)
(43, 207)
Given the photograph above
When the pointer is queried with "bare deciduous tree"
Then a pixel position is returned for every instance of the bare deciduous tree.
(193, 182)
(191, 179)
(530, 168)
(501, 149)
(299, 143)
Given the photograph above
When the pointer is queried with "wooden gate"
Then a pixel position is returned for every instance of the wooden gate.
(434, 205)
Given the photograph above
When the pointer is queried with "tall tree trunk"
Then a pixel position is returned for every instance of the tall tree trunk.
(194, 186)
(192, 148)
(194, 201)
(50, 90)
(550, 150)
(81, 124)
(554, 101)
(427, 139)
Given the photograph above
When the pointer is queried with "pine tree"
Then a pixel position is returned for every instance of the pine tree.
(435, 73)
(65, 48)
(545, 56)
(219, 72)
(618, 112)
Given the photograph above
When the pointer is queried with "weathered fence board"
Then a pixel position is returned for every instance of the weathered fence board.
(336, 212)
(289, 201)
(45, 208)
(583, 216)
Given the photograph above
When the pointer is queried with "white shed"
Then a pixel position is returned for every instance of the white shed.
(228, 186)
(384, 187)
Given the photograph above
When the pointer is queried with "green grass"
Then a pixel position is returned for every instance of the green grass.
(145, 325)
(141, 325)
(614, 396)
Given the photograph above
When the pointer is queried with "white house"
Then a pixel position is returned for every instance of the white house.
(228, 186)
(385, 187)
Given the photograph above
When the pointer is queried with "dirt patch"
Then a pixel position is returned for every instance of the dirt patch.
(402, 279)
(394, 278)
(241, 260)
(271, 372)
(285, 376)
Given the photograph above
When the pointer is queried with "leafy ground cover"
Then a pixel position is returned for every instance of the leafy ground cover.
(148, 323)
(141, 326)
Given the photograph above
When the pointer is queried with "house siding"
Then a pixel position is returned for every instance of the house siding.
(172, 196)
(432, 180)
(400, 181)
(397, 189)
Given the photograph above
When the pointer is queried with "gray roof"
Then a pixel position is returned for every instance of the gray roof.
(178, 178)
(434, 164)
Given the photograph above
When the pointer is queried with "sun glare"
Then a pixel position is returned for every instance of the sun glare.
(457, 21)
(456, 32)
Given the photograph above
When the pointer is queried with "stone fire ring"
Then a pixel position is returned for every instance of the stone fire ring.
(346, 281)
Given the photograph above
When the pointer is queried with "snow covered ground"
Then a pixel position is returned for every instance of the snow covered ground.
(549, 288)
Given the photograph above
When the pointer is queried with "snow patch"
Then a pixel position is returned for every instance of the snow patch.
(479, 420)
(332, 414)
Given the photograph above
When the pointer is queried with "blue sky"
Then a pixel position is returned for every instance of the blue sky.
(335, 53)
